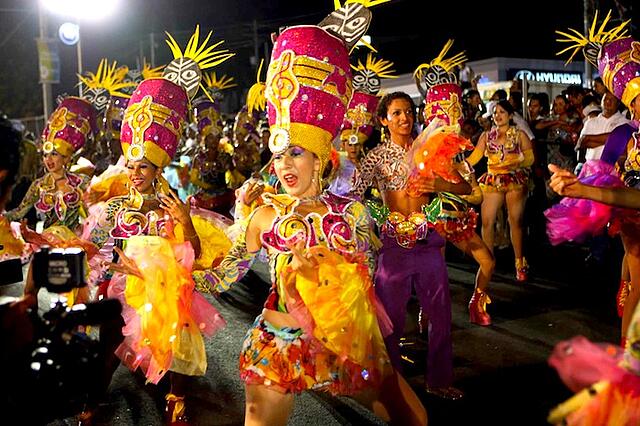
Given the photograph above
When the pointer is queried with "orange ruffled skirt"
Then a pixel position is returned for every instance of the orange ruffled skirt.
(165, 318)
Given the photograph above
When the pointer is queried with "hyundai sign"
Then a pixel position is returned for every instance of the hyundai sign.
(556, 77)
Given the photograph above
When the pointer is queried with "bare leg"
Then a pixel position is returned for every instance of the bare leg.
(515, 208)
(482, 255)
(479, 300)
(266, 407)
(175, 410)
(178, 383)
(491, 202)
(632, 249)
(395, 402)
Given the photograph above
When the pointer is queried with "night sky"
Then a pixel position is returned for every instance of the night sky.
(402, 30)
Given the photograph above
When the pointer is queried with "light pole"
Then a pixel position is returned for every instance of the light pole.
(80, 10)
(46, 86)
(70, 34)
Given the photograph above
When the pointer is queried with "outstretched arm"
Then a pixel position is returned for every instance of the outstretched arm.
(237, 262)
(567, 184)
(30, 198)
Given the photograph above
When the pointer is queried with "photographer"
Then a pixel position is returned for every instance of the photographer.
(46, 360)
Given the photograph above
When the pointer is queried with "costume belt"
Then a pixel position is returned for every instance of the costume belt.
(407, 230)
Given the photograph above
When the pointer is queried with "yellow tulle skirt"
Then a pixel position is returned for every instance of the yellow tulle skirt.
(336, 304)
(164, 317)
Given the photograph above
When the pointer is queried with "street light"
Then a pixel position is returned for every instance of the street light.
(79, 10)
(82, 10)
(69, 34)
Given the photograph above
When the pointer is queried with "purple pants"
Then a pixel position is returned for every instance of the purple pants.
(424, 267)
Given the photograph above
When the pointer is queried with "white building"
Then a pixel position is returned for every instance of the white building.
(543, 75)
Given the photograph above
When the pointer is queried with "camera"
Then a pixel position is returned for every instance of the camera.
(55, 372)
(59, 270)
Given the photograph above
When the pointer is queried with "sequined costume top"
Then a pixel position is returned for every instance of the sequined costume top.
(503, 157)
(54, 206)
(344, 228)
(122, 218)
(385, 167)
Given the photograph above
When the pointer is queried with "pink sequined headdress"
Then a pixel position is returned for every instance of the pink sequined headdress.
(158, 107)
(438, 83)
(153, 121)
(359, 120)
(69, 127)
(308, 88)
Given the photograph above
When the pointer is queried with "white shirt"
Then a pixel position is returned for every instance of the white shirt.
(597, 126)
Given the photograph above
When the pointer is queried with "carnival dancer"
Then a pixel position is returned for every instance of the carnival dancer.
(605, 378)
(57, 196)
(438, 151)
(509, 156)
(616, 56)
(129, 78)
(248, 196)
(211, 166)
(163, 317)
(304, 338)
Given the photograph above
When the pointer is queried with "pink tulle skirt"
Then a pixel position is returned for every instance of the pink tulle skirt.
(574, 219)
(581, 364)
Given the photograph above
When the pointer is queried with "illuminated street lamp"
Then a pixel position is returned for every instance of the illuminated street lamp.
(82, 10)
(78, 10)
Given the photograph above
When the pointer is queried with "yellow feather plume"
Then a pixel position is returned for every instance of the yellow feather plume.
(596, 37)
(380, 67)
(212, 81)
(205, 57)
(107, 77)
(448, 64)
(365, 3)
(151, 72)
(256, 100)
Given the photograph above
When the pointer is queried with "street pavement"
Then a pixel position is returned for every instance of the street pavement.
(502, 368)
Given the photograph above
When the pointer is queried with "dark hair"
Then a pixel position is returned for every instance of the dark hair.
(470, 93)
(506, 105)
(543, 99)
(574, 90)
(501, 94)
(589, 99)
(386, 100)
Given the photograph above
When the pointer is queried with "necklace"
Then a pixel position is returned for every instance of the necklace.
(310, 199)
(149, 197)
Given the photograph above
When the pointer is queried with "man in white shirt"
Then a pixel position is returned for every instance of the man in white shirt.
(596, 130)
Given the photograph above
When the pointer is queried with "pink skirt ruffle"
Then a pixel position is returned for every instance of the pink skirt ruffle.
(574, 219)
